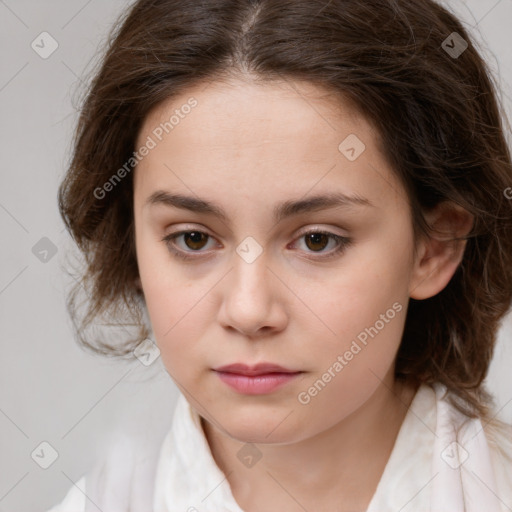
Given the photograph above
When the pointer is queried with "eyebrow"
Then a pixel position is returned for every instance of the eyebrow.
(280, 211)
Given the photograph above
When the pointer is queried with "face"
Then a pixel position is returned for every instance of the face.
(265, 275)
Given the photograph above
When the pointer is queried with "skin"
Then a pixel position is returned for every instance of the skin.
(248, 147)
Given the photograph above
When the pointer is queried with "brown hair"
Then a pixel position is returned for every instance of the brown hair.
(437, 115)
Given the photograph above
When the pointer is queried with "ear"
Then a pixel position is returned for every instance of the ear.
(138, 284)
(439, 255)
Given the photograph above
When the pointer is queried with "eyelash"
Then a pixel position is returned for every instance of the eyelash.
(342, 241)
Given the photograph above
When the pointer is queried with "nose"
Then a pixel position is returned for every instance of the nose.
(253, 301)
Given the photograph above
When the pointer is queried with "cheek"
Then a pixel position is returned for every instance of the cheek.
(362, 292)
(368, 317)
(180, 312)
(365, 305)
(176, 312)
(170, 297)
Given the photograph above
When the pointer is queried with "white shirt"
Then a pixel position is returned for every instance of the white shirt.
(426, 471)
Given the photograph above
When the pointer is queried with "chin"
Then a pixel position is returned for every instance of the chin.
(253, 425)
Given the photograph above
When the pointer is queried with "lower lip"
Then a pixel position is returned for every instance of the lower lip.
(256, 384)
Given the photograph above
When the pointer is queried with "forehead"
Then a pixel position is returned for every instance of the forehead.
(253, 113)
(279, 137)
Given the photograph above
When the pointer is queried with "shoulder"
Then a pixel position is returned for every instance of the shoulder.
(74, 501)
(499, 438)
(484, 439)
(124, 473)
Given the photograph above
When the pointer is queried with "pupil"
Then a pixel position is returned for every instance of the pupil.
(316, 238)
(196, 238)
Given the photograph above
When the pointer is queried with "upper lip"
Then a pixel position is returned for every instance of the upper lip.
(258, 369)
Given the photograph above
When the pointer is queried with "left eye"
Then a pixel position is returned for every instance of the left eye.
(316, 242)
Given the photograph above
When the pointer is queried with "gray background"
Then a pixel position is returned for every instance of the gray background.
(51, 390)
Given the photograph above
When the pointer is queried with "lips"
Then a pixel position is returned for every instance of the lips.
(258, 369)
(260, 379)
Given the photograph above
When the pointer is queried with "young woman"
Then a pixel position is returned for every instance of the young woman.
(309, 200)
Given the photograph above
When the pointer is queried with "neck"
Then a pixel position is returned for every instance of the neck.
(346, 460)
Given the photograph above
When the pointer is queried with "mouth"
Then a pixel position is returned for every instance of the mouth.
(259, 379)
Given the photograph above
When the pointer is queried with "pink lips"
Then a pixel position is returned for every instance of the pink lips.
(260, 379)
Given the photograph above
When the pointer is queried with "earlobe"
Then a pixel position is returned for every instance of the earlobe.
(439, 255)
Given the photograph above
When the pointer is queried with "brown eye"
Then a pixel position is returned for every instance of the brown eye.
(190, 242)
(317, 241)
(195, 240)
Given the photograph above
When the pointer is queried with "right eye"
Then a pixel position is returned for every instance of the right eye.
(193, 239)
